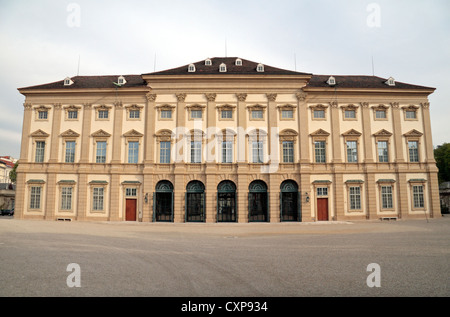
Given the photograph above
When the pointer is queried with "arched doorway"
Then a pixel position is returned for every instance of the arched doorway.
(195, 202)
(289, 202)
(258, 202)
(226, 202)
(163, 202)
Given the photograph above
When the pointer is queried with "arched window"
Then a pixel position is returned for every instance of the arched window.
(195, 202)
(163, 202)
(258, 202)
(289, 201)
(226, 202)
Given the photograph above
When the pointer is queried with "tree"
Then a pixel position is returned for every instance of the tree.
(442, 157)
(13, 173)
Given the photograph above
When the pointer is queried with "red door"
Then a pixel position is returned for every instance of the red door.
(322, 209)
(130, 212)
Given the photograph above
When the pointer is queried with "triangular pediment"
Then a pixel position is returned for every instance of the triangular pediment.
(383, 132)
(40, 133)
(413, 133)
(100, 133)
(320, 132)
(70, 133)
(352, 132)
(133, 133)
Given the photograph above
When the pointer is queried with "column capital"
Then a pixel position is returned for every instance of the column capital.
(301, 95)
(395, 105)
(150, 97)
(181, 97)
(425, 105)
(211, 97)
(27, 106)
(271, 97)
(241, 97)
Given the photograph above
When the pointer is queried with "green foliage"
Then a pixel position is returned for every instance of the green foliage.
(442, 157)
(13, 173)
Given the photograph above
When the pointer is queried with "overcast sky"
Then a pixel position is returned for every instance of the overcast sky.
(45, 41)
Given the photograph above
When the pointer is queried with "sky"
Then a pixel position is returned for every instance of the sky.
(45, 41)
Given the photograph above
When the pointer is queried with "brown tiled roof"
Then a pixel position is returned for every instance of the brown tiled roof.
(80, 82)
(357, 81)
(247, 68)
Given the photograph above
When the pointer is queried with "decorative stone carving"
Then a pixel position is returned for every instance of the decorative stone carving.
(382, 132)
(334, 104)
(241, 97)
(211, 97)
(150, 97)
(100, 134)
(70, 134)
(271, 97)
(395, 105)
(181, 97)
(133, 133)
(425, 105)
(413, 133)
(320, 132)
(40, 134)
(301, 96)
(352, 132)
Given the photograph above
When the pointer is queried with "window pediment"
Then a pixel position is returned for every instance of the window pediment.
(320, 132)
(382, 132)
(100, 134)
(133, 133)
(352, 132)
(413, 133)
(39, 134)
(70, 134)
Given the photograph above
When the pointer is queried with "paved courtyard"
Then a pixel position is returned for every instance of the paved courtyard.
(396, 258)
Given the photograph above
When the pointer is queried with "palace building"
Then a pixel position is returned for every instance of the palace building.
(226, 140)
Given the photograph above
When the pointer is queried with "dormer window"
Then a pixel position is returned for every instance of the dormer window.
(191, 68)
(390, 82)
(121, 80)
(208, 62)
(331, 81)
(238, 62)
(260, 68)
(223, 68)
(68, 81)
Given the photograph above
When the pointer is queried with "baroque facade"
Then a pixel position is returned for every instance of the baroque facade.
(226, 139)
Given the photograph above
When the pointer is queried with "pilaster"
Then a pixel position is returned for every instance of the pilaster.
(85, 134)
(303, 127)
(117, 133)
(335, 135)
(25, 132)
(150, 115)
(397, 126)
(367, 133)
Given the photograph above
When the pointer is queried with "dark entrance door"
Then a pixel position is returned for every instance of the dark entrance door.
(226, 202)
(290, 210)
(322, 209)
(195, 202)
(130, 210)
(163, 202)
(258, 202)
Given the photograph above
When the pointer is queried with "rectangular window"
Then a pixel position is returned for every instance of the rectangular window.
(35, 197)
(257, 151)
(411, 114)
(350, 114)
(355, 198)
(352, 152)
(380, 114)
(131, 192)
(257, 114)
(196, 152)
(319, 114)
(287, 114)
(97, 198)
(319, 149)
(418, 196)
(413, 151)
(135, 114)
(383, 151)
(196, 114)
(73, 114)
(103, 114)
(166, 114)
(288, 152)
(40, 151)
(101, 152)
(164, 152)
(227, 114)
(386, 197)
(227, 152)
(322, 191)
(133, 152)
(70, 152)
(43, 115)
(66, 198)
